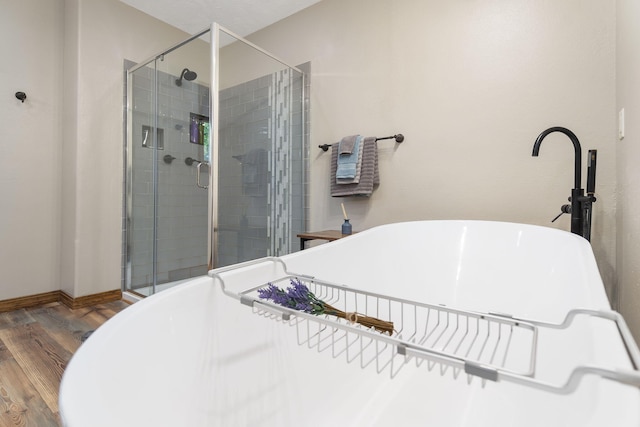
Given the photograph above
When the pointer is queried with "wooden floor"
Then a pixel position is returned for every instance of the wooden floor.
(35, 346)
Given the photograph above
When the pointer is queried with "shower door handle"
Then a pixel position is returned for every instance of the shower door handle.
(198, 174)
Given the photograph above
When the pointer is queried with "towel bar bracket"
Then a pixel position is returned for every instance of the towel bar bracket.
(399, 138)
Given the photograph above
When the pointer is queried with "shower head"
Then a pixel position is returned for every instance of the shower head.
(187, 75)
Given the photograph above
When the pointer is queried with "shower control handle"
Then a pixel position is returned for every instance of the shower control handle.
(198, 175)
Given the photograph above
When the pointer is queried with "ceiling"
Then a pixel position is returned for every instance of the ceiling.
(242, 17)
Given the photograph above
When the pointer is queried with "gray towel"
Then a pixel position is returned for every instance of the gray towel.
(348, 163)
(369, 174)
(347, 144)
(356, 179)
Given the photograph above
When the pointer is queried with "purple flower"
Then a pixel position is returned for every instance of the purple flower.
(299, 293)
(275, 294)
(297, 296)
(305, 299)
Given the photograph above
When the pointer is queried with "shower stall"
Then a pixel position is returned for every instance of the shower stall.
(216, 158)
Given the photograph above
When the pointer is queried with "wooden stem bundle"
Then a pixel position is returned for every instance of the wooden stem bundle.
(367, 321)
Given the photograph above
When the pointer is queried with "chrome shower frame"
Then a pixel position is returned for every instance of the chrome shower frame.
(216, 33)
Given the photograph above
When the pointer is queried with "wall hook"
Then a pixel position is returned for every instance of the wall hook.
(21, 96)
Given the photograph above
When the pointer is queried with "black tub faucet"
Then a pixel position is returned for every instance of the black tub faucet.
(580, 208)
(577, 170)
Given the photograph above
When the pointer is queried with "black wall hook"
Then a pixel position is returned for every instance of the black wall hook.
(21, 96)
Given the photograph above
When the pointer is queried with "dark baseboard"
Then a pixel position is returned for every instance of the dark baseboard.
(29, 301)
(90, 300)
(59, 296)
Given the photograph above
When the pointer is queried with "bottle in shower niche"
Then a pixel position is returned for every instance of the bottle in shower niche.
(207, 141)
(193, 131)
(346, 227)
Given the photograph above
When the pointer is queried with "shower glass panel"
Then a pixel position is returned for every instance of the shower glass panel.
(189, 206)
(261, 154)
(167, 216)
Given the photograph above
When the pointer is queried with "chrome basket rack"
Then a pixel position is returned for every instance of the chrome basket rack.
(491, 346)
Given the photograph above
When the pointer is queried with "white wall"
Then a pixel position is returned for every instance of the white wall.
(31, 45)
(61, 151)
(470, 85)
(628, 149)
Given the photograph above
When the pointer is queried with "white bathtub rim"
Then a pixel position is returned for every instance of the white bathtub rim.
(146, 307)
(121, 320)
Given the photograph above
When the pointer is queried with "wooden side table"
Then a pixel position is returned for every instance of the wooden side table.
(329, 235)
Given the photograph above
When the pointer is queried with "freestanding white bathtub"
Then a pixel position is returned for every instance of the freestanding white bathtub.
(195, 356)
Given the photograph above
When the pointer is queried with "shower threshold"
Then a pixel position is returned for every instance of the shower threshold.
(148, 290)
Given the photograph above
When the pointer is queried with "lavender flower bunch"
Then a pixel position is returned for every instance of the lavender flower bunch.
(299, 297)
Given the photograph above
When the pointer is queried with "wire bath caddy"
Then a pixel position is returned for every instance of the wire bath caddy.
(491, 346)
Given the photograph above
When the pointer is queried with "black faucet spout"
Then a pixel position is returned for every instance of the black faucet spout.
(580, 208)
(577, 172)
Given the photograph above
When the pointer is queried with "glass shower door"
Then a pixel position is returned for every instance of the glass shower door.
(167, 194)
(183, 168)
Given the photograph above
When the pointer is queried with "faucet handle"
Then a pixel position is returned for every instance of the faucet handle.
(563, 210)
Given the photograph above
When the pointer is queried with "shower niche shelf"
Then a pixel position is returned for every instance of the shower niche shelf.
(490, 346)
(148, 136)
